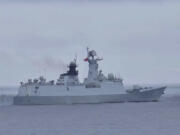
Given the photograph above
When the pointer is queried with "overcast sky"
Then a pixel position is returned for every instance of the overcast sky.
(139, 41)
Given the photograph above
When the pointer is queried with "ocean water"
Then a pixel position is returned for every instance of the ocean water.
(153, 118)
(157, 118)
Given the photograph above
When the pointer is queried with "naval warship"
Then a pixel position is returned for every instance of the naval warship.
(96, 88)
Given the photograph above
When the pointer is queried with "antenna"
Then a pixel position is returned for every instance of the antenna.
(87, 49)
(45, 70)
(75, 59)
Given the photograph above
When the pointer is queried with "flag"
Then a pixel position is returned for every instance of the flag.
(86, 59)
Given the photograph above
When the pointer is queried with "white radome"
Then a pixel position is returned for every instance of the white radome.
(96, 88)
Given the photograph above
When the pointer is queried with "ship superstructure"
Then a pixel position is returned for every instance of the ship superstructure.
(96, 88)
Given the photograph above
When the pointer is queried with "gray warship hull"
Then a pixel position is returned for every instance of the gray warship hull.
(96, 88)
(143, 96)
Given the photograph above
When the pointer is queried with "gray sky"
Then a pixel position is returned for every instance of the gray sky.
(139, 41)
